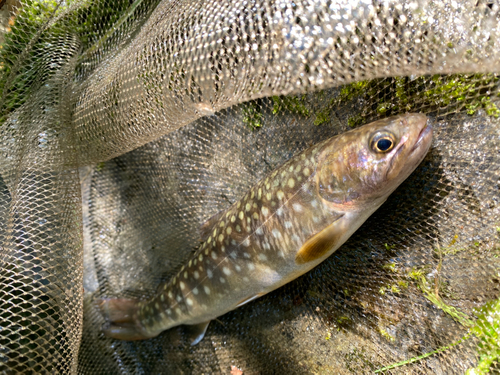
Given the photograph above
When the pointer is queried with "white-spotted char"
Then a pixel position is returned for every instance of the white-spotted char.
(284, 226)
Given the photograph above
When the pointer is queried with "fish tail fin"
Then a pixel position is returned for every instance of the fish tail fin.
(122, 320)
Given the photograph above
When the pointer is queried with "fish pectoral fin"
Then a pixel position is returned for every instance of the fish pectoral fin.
(196, 332)
(319, 244)
(206, 228)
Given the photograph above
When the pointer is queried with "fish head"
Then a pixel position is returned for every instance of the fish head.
(364, 166)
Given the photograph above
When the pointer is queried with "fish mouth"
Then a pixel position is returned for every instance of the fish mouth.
(424, 135)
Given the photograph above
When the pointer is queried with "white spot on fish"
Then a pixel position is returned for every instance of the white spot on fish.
(269, 196)
(157, 306)
(245, 279)
(170, 295)
(179, 298)
(206, 289)
(265, 211)
(266, 246)
(251, 266)
(214, 255)
(210, 274)
(221, 237)
(297, 207)
(259, 231)
(276, 233)
(238, 228)
(196, 275)
(229, 230)
(185, 275)
(246, 255)
(246, 243)
(291, 183)
(259, 195)
(178, 311)
(169, 312)
(222, 280)
(162, 297)
(241, 215)
(252, 195)
(238, 205)
(306, 172)
(288, 224)
(316, 219)
(200, 258)
(295, 238)
(262, 257)
(280, 194)
(226, 271)
(297, 168)
(248, 206)
(195, 291)
(189, 301)
(255, 216)
(314, 203)
(279, 211)
(237, 268)
(233, 219)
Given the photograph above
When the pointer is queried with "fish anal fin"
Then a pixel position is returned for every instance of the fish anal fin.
(319, 244)
(248, 299)
(196, 332)
(206, 228)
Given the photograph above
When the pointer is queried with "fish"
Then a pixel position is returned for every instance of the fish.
(285, 225)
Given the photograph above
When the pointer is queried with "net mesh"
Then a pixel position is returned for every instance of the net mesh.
(126, 124)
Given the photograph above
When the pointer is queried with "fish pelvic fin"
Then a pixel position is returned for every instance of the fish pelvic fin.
(319, 244)
(121, 319)
(196, 332)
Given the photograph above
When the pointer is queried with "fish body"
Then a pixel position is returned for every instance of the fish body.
(284, 226)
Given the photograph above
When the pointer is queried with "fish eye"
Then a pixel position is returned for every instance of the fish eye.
(383, 142)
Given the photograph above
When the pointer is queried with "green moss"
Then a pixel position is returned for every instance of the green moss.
(322, 116)
(99, 167)
(396, 95)
(293, 104)
(252, 116)
(386, 335)
(432, 293)
(354, 121)
(25, 54)
(487, 330)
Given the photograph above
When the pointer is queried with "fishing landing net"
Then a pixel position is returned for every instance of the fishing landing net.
(126, 124)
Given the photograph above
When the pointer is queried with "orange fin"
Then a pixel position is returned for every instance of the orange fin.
(206, 228)
(121, 319)
(319, 244)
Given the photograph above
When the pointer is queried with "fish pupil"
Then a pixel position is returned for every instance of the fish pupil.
(384, 144)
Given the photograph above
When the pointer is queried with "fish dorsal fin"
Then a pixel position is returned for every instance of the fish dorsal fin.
(206, 228)
(196, 332)
(320, 244)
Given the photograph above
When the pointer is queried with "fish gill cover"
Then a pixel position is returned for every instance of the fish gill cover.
(125, 125)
